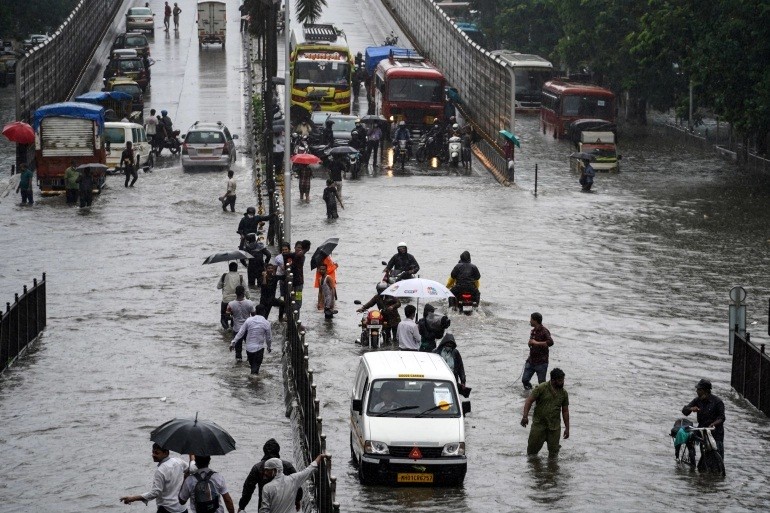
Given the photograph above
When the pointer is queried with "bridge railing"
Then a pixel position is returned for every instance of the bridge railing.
(22, 322)
(750, 374)
(482, 80)
(48, 72)
(307, 407)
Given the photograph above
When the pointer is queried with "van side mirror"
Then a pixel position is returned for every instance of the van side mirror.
(466, 407)
(358, 405)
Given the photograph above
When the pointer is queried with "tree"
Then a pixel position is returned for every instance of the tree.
(530, 26)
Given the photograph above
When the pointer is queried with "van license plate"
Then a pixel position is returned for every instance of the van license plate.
(414, 478)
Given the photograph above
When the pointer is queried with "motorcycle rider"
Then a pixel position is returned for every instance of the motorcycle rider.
(464, 278)
(358, 137)
(403, 134)
(328, 133)
(403, 261)
(388, 307)
(168, 125)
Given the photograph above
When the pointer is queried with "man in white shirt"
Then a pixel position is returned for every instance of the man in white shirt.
(258, 336)
(408, 333)
(280, 270)
(165, 483)
(229, 196)
(279, 495)
(228, 283)
(151, 127)
(240, 310)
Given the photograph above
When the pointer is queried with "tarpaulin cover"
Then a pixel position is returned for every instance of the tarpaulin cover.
(70, 110)
(100, 96)
(374, 54)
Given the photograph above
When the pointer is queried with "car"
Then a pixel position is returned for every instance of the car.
(343, 125)
(133, 40)
(126, 85)
(140, 18)
(34, 40)
(208, 145)
(128, 67)
(117, 134)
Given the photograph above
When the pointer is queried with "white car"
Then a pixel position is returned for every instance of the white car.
(208, 145)
(117, 134)
(140, 18)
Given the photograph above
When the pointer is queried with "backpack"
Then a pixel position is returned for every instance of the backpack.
(205, 494)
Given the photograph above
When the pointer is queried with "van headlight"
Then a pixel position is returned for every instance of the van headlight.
(454, 449)
(374, 447)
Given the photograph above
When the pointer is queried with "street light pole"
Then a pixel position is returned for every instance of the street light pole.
(286, 126)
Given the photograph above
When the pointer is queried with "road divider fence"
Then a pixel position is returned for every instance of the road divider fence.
(22, 322)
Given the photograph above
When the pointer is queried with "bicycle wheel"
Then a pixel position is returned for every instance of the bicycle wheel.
(711, 462)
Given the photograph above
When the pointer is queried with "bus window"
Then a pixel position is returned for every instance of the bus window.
(587, 106)
(415, 90)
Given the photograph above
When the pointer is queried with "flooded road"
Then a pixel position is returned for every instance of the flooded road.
(631, 279)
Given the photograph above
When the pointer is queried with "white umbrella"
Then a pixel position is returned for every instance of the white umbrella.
(419, 288)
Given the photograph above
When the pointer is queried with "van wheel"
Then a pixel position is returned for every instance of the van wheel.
(363, 477)
(352, 452)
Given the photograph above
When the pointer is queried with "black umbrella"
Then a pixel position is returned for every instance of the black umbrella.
(342, 150)
(193, 436)
(226, 256)
(373, 118)
(323, 251)
(583, 155)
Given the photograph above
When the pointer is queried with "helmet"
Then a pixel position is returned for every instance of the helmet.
(358, 121)
(455, 127)
(381, 287)
(402, 123)
(401, 245)
(163, 112)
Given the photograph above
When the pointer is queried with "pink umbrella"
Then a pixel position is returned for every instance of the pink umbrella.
(19, 132)
(305, 158)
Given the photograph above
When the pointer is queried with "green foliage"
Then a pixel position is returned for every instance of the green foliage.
(19, 18)
(528, 26)
(308, 11)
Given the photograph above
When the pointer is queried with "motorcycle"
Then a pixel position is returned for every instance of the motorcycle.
(391, 40)
(299, 144)
(455, 149)
(394, 275)
(173, 144)
(372, 324)
(429, 146)
(354, 165)
(466, 303)
(359, 76)
(402, 153)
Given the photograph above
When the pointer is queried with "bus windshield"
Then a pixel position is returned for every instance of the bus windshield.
(587, 107)
(530, 81)
(415, 90)
(321, 73)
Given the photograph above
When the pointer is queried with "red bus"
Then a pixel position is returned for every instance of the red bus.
(409, 88)
(564, 102)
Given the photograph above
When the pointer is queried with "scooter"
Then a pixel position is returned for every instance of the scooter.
(455, 147)
(391, 40)
(354, 165)
(402, 153)
(465, 302)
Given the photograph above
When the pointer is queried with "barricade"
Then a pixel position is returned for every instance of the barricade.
(49, 72)
(750, 374)
(22, 322)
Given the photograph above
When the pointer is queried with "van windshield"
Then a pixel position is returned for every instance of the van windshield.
(114, 135)
(412, 398)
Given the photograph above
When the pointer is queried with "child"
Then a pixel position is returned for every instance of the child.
(331, 197)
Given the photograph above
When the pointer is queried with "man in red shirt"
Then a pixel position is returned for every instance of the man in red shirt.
(539, 342)
(167, 16)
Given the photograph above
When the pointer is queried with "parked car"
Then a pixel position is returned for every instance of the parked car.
(343, 125)
(140, 18)
(34, 40)
(208, 145)
(133, 40)
(132, 68)
(116, 135)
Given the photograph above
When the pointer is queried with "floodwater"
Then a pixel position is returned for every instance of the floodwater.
(631, 279)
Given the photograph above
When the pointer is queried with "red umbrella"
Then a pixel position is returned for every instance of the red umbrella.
(305, 158)
(19, 132)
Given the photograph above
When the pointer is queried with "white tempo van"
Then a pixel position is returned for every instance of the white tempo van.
(116, 134)
(406, 420)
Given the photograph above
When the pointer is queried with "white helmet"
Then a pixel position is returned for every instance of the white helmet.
(401, 245)
(402, 123)
(455, 127)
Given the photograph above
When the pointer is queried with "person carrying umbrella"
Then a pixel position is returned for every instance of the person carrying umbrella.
(228, 284)
(85, 187)
(305, 175)
(587, 176)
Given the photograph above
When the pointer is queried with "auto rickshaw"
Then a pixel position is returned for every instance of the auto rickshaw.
(117, 105)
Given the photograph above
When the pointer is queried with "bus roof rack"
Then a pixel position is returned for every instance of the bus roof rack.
(319, 32)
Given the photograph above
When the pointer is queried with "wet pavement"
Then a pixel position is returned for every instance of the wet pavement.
(631, 279)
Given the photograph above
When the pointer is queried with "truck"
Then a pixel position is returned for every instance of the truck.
(212, 22)
(66, 132)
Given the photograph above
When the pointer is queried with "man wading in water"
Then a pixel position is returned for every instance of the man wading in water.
(551, 400)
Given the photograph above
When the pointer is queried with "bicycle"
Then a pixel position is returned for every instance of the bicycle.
(685, 436)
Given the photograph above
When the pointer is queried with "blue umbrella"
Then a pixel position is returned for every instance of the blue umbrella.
(511, 137)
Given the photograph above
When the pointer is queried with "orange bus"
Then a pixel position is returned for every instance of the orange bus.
(565, 102)
(406, 87)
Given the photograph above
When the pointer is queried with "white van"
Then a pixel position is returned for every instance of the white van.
(116, 134)
(212, 22)
(406, 420)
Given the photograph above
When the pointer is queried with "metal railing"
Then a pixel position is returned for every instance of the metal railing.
(49, 72)
(306, 408)
(482, 80)
(22, 322)
(750, 374)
